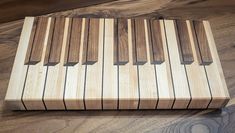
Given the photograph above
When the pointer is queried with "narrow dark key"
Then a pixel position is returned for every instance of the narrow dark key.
(157, 54)
(39, 40)
(203, 46)
(73, 42)
(85, 42)
(184, 45)
(30, 45)
(57, 40)
(140, 42)
(93, 41)
(121, 42)
(49, 41)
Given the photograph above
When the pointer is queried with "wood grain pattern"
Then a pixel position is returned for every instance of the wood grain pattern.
(185, 49)
(34, 82)
(74, 42)
(30, 46)
(121, 42)
(139, 47)
(92, 42)
(155, 41)
(75, 78)
(127, 121)
(57, 39)
(202, 42)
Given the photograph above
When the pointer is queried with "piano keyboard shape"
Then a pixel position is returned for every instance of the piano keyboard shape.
(103, 64)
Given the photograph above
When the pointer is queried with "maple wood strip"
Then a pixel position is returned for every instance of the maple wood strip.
(185, 49)
(75, 40)
(30, 46)
(93, 41)
(38, 40)
(19, 70)
(140, 44)
(157, 45)
(57, 41)
(203, 45)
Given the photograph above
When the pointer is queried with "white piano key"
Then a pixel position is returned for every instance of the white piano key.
(110, 79)
(180, 82)
(200, 91)
(128, 80)
(164, 79)
(220, 95)
(34, 84)
(75, 78)
(93, 83)
(16, 83)
(55, 79)
(147, 79)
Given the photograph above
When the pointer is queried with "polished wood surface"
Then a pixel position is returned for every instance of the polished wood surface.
(125, 121)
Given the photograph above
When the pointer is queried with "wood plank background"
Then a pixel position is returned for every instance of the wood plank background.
(18, 9)
(222, 20)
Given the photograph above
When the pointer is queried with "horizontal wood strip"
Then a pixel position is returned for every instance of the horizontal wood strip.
(57, 41)
(31, 39)
(157, 45)
(39, 40)
(74, 39)
(203, 46)
(185, 49)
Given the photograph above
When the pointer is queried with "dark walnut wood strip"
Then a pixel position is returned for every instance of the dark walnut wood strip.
(140, 42)
(184, 45)
(49, 41)
(57, 40)
(31, 39)
(93, 41)
(203, 46)
(85, 42)
(74, 38)
(39, 40)
(157, 44)
(121, 44)
(67, 48)
(133, 41)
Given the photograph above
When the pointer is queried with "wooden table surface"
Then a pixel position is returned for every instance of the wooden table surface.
(177, 121)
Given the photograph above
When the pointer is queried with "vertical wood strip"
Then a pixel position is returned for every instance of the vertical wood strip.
(122, 41)
(30, 46)
(128, 78)
(93, 41)
(19, 70)
(93, 83)
(57, 40)
(185, 49)
(49, 42)
(204, 50)
(110, 71)
(140, 42)
(157, 45)
(74, 41)
(180, 81)
(34, 84)
(85, 42)
(75, 78)
(38, 40)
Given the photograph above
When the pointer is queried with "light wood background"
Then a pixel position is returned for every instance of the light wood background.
(222, 20)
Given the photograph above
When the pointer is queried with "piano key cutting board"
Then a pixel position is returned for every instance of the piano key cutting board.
(104, 63)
